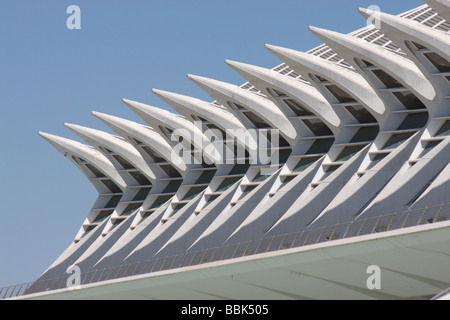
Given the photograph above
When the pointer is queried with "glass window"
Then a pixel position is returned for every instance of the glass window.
(444, 130)
(227, 182)
(239, 169)
(142, 194)
(193, 192)
(152, 154)
(414, 121)
(257, 121)
(297, 108)
(376, 160)
(140, 178)
(247, 191)
(366, 134)
(429, 147)
(102, 215)
(397, 139)
(170, 171)
(329, 171)
(113, 202)
(317, 127)
(172, 186)
(160, 201)
(111, 186)
(341, 95)
(286, 180)
(178, 207)
(440, 63)
(124, 163)
(349, 152)
(95, 171)
(206, 177)
(304, 163)
(409, 100)
(132, 207)
(211, 199)
(361, 114)
(387, 79)
(320, 146)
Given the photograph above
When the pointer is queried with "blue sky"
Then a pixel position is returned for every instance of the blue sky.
(50, 75)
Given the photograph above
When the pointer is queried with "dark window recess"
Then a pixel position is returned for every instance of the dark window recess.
(235, 106)
(448, 78)
(376, 160)
(367, 63)
(227, 182)
(440, 63)
(444, 130)
(366, 134)
(277, 93)
(257, 121)
(397, 139)
(286, 180)
(160, 201)
(170, 171)
(111, 186)
(211, 199)
(88, 230)
(178, 207)
(124, 163)
(142, 194)
(321, 79)
(349, 152)
(206, 177)
(193, 192)
(116, 223)
(113, 202)
(297, 108)
(140, 178)
(429, 147)
(304, 163)
(239, 169)
(95, 171)
(247, 191)
(260, 177)
(422, 191)
(414, 121)
(389, 81)
(132, 207)
(172, 186)
(409, 100)
(317, 127)
(102, 215)
(419, 46)
(320, 146)
(329, 171)
(284, 155)
(152, 154)
(361, 114)
(341, 95)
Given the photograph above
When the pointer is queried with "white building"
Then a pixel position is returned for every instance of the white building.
(362, 179)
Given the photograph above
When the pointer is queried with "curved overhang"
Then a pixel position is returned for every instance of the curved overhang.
(147, 135)
(100, 139)
(350, 81)
(309, 96)
(400, 29)
(189, 106)
(88, 154)
(398, 67)
(442, 7)
(225, 92)
(160, 119)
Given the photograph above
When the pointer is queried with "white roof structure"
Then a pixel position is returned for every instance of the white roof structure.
(361, 174)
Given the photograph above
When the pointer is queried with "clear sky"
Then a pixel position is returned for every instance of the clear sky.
(50, 75)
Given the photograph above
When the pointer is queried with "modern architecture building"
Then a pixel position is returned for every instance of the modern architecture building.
(359, 179)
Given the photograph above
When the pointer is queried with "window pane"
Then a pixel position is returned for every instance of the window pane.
(387, 80)
(206, 177)
(142, 194)
(160, 201)
(376, 160)
(340, 94)
(193, 192)
(239, 169)
(317, 127)
(320, 146)
(172, 186)
(349, 152)
(124, 163)
(304, 163)
(440, 63)
(444, 130)
(103, 215)
(361, 114)
(414, 121)
(227, 182)
(140, 178)
(95, 171)
(397, 139)
(256, 120)
(132, 207)
(113, 202)
(366, 134)
(152, 154)
(429, 147)
(409, 100)
(297, 108)
(170, 171)
(111, 186)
